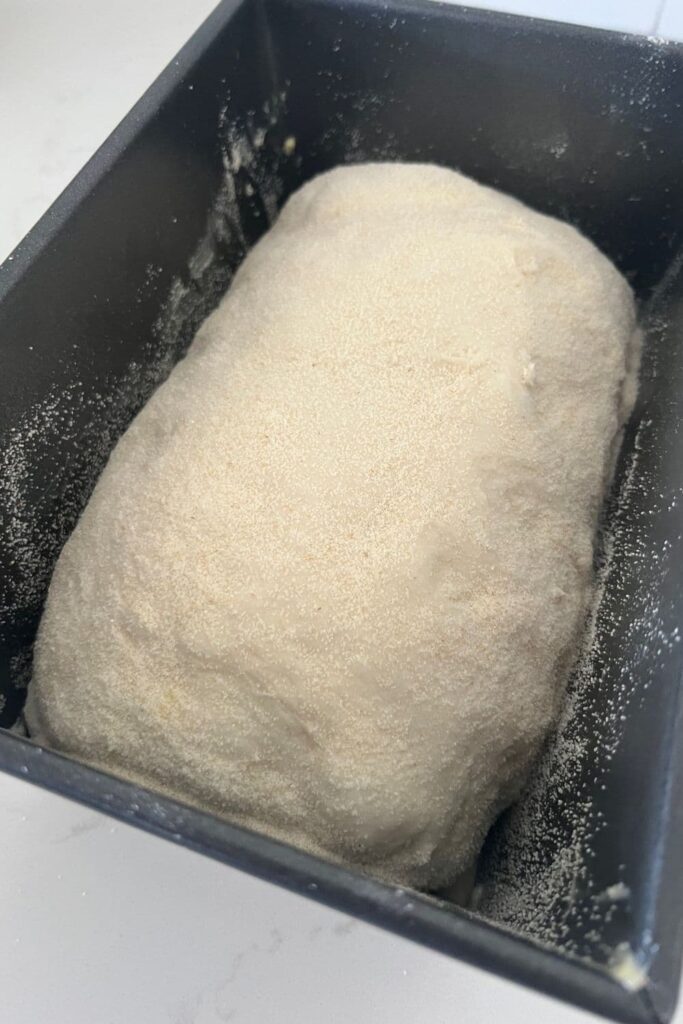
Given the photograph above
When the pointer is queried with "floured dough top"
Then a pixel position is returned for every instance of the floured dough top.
(331, 581)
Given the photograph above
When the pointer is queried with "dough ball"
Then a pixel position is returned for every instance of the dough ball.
(331, 581)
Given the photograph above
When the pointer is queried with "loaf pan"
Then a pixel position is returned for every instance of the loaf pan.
(579, 890)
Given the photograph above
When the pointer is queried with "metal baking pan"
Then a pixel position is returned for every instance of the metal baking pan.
(580, 887)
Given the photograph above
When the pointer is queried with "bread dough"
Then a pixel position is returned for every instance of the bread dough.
(331, 581)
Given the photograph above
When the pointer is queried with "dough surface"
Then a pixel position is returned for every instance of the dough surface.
(331, 581)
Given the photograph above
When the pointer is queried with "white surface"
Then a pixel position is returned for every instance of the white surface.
(625, 15)
(103, 923)
(69, 71)
(670, 24)
(100, 923)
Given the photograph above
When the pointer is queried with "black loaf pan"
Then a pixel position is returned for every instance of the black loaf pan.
(580, 888)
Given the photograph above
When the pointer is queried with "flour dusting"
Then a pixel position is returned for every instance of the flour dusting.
(540, 875)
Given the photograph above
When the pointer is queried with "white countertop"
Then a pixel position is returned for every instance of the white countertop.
(99, 922)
